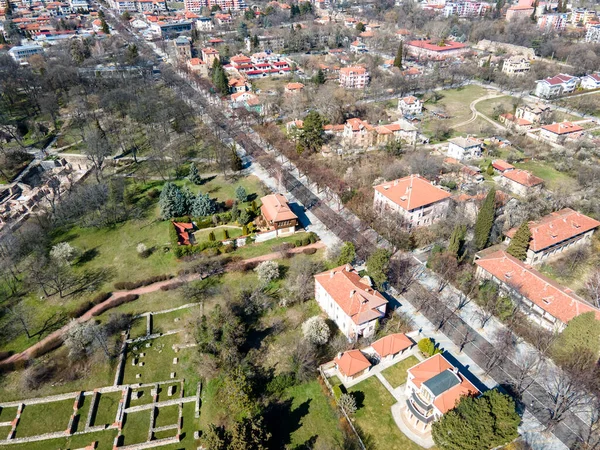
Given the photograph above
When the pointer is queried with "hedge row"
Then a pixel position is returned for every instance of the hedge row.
(86, 306)
(117, 302)
(129, 285)
(171, 286)
(186, 250)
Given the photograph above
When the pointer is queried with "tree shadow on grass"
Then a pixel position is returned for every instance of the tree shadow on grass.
(87, 256)
(282, 420)
(359, 396)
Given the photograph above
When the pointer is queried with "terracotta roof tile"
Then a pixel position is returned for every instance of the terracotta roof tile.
(352, 362)
(523, 177)
(562, 128)
(392, 344)
(412, 192)
(275, 208)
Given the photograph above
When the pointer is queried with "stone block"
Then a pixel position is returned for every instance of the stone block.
(148, 344)
(172, 375)
(142, 355)
(175, 360)
(138, 375)
(134, 361)
(171, 391)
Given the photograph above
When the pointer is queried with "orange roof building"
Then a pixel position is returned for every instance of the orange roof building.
(414, 199)
(543, 299)
(277, 214)
(521, 182)
(433, 388)
(184, 235)
(390, 346)
(556, 233)
(501, 166)
(352, 364)
(350, 301)
(293, 87)
(557, 131)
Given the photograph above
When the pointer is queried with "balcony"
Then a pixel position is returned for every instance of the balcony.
(420, 402)
(417, 414)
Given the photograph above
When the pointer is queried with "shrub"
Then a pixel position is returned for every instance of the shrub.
(298, 243)
(117, 302)
(81, 310)
(245, 230)
(153, 193)
(172, 286)
(101, 297)
(312, 237)
(309, 251)
(211, 236)
(249, 240)
(315, 330)
(228, 203)
(337, 392)
(4, 355)
(280, 383)
(241, 194)
(305, 242)
(129, 285)
(228, 248)
(427, 346)
(348, 403)
(225, 234)
(142, 250)
(267, 271)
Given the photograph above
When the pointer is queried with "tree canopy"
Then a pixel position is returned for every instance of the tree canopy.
(377, 266)
(311, 137)
(582, 335)
(485, 220)
(485, 422)
(520, 242)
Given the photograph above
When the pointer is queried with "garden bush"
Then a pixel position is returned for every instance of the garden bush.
(309, 251)
(312, 237)
(172, 286)
(81, 310)
(118, 301)
(129, 285)
(4, 355)
(337, 391)
(186, 250)
(305, 241)
(101, 297)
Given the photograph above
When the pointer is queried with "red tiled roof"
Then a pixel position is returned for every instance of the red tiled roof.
(352, 362)
(560, 302)
(294, 86)
(557, 227)
(433, 366)
(276, 208)
(356, 124)
(519, 121)
(392, 344)
(196, 62)
(558, 79)
(352, 293)
(562, 128)
(183, 235)
(449, 45)
(523, 177)
(410, 100)
(501, 165)
(355, 70)
(412, 192)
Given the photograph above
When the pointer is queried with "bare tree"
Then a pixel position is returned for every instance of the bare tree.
(528, 366)
(592, 288)
(403, 272)
(97, 149)
(503, 346)
(467, 337)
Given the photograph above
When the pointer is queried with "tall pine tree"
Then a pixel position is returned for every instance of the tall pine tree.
(399, 56)
(457, 239)
(194, 174)
(520, 242)
(485, 220)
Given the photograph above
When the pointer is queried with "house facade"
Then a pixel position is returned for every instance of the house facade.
(410, 105)
(518, 124)
(198, 66)
(557, 85)
(543, 300)
(427, 50)
(353, 77)
(464, 148)
(414, 199)
(521, 182)
(278, 215)
(351, 365)
(559, 131)
(433, 387)
(591, 81)
(516, 65)
(350, 301)
(557, 233)
(535, 114)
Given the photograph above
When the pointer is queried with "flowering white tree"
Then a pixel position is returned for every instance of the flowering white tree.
(348, 403)
(63, 252)
(316, 330)
(267, 271)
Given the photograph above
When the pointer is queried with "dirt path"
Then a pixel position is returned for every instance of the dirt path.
(45, 345)
(474, 112)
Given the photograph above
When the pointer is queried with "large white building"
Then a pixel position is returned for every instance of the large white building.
(354, 77)
(414, 199)
(21, 52)
(593, 34)
(556, 85)
(516, 65)
(350, 301)
(464, 148)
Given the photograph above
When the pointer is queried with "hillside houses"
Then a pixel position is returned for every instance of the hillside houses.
(461, 148)
(558, 132)
(557, 85)
(521, 182)
(557, 233)
(429, 50)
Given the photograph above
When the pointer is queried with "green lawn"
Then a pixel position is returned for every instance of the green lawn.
(396, 374)
(83, 411)
(487, 107)
(106, 411)
(166, 321)
(232, 232)
(456, 103)
(190, 424)
(135, 427)
(167, 415)
(8, 414)
(144, 399)
(552, 178)
(104, 438)
(223, 189)
(375, 419)
(262, 248)
(44, 418)
(308, 413)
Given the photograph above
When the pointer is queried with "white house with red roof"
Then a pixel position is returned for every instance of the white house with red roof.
(434, 387)
(544, 300)
(353, 77)
(591, 81)
(351, 365)
(358, 47)
(501, 166)
(521, 182)
(350, 301)
(392, 347)
(518, 124)
(557, 85)
(414, 199)
(559, 131)
(557, 233)
(410, 105)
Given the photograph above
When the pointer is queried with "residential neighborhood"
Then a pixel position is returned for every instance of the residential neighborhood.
(299, 224)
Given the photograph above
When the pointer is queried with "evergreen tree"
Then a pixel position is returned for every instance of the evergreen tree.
(242, 30)
(241, 194)
(254, 42)
(211, 236)
(347, 254)
(457, 239)
(520, 242)
(490, 169)
(219, 77)
(104, 26)
(249, 434)
(172, 201)
(581, 336)
(312, 132)
(236, 161)
(535, 6)
(360, 27)
(132, 53)
(488, 421)
(203, 205)
(194, 174)
(377, 266)
(319, 77)
(485, 220)
(399, 56)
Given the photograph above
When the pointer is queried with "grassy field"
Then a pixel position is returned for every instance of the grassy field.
(167, 415)
(166, 321)
(44, 418)
(232, 232)
(375, 418)
(455, 102)
(553, 179)
(106, 411)
(8, 414)
(104, 438)
(396, 374)
(135, 427)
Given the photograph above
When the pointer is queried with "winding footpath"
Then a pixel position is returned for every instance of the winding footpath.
(38, 348)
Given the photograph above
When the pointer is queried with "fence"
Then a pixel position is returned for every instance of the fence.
(362, 445)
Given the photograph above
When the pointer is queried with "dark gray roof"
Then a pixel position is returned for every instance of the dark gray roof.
(442, 382)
